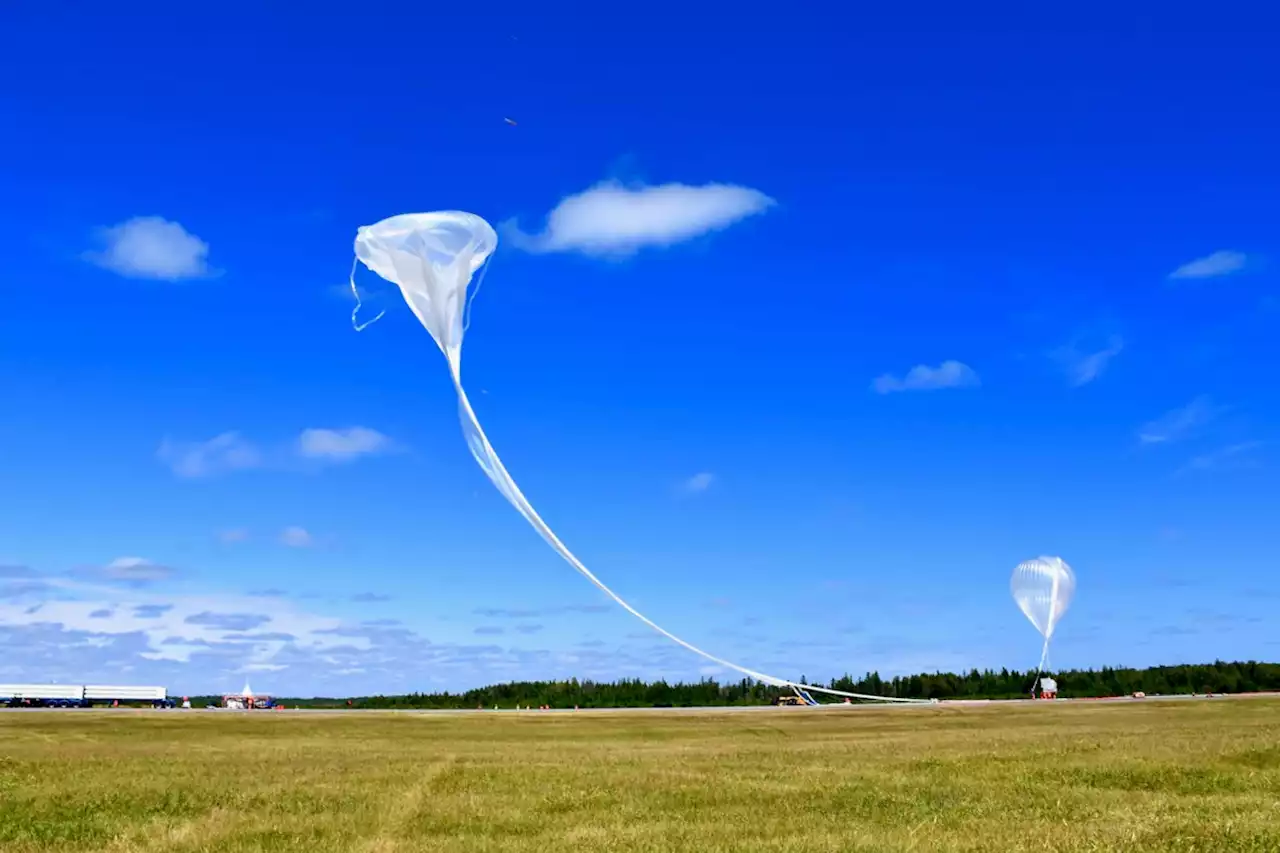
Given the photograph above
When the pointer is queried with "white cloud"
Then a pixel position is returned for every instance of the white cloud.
(172, 629)
(949, 374)
(698, 483)
(231, 537)
(1180, 423)
(611, 219)
(296, 537)
(1084, 366)
(341, 445)
(152, 247)
(231, 451)
(136, 569)
(130, 571)
(220, 454)
(1219, 263)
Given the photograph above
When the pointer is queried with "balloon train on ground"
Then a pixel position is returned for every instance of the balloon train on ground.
(432, 258)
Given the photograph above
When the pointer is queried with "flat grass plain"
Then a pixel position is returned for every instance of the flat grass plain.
(1141, 776)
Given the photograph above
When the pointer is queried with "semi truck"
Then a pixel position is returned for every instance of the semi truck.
(81, 695)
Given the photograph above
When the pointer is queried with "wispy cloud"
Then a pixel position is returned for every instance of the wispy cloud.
(698, 483)
(136, 570)
(1180, 423)
(296, 537)
(1220, 263)
(922, 377)
(1082, 366)
(136, 628)
(517, 613)
(199, 643)
(207, 643)
(233, 536)
(151, 247)
(1233, 455)
(228, 621)
(11, 589)
(231, 451)
(12, 570)
(220, 454)
(613, 219)
(129, 571)
(341, 445)
(369, 598)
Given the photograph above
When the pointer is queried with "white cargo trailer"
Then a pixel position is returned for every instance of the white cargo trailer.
(80, 695)
(41, 694)
(101, 693)
(125, 693)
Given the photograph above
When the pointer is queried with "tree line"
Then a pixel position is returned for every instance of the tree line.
(1217, 677)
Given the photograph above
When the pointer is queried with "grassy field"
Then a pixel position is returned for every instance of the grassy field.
(1072, 777)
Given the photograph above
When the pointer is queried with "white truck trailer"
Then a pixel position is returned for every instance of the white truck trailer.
(42, 695)
(105, 693)
(81, 695)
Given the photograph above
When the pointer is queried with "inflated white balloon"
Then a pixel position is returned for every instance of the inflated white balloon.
(1043, 588)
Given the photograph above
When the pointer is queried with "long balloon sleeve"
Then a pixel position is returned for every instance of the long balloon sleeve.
(432, 256)
(488, 460)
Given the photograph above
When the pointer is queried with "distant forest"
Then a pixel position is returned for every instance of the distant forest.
(1218, 677)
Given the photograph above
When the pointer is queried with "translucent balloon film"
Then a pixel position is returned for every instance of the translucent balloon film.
(432, 258)
(1043, 589)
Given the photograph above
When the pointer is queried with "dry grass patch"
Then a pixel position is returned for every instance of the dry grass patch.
(1186, 776)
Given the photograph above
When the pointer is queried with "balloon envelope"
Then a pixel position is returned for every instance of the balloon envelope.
(1043, 589)
(431, 257)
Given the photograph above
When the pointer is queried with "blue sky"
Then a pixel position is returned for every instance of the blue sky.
(928, 304)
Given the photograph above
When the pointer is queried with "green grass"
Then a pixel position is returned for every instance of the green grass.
(1184, 776)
